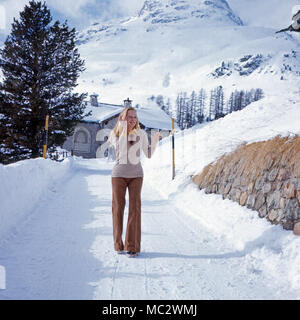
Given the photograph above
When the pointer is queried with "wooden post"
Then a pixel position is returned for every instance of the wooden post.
(173, 150)
(46, 137)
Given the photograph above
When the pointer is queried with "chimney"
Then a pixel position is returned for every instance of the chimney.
(94, 100)
(127, 103)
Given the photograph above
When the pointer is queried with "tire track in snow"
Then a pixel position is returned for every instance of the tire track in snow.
(159, 250)
(116, 267)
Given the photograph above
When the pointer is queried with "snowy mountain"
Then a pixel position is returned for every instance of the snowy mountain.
(166, 11)
(177, 45)
(157, 13)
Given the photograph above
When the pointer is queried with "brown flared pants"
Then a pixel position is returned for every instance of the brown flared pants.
(133, 230)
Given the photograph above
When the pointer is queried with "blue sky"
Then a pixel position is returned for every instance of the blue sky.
(79, 13)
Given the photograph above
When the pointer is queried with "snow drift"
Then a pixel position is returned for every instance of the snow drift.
(22, 186)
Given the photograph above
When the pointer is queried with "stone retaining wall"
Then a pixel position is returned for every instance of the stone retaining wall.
(263, 176)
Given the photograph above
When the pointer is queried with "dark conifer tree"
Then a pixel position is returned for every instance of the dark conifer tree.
(160, 102)
(40, 65)
(212, 104)
(219, 102)
(188, 114)
(241, 100)
(168, 107)
(181, 109)
(200, 109)
(258, 94)
(193, 109)
(230, 103)
(237, 105)
(247, 99)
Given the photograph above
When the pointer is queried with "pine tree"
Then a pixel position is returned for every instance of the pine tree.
(168, 107)
(230, 103)
(219, 102)
(212, 105)
(40, 65)
(248, 98)
(201, 105)
(160, 102)
(185, 109)
(237, 105)
(242, 100)
(188, 114)
(258, 94)
(193, 108)
(181, 109)
(178, 109)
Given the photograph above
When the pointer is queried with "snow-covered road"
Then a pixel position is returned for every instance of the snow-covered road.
(64, 250)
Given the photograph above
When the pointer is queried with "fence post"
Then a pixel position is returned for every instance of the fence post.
(46, 137)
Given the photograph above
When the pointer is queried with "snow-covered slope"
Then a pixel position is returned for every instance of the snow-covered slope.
(173, 46)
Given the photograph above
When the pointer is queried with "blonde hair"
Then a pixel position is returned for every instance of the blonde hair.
(122, 117)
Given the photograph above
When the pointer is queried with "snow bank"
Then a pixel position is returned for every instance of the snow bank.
(22, 185)
(268, 248)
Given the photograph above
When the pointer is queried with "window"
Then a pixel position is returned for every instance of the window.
(81, 137)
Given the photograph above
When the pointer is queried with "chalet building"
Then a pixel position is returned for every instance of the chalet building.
(89, 134)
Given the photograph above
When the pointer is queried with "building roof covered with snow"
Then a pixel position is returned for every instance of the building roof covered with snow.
(150, 116)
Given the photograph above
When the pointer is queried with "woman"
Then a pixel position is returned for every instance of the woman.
(128, 139)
